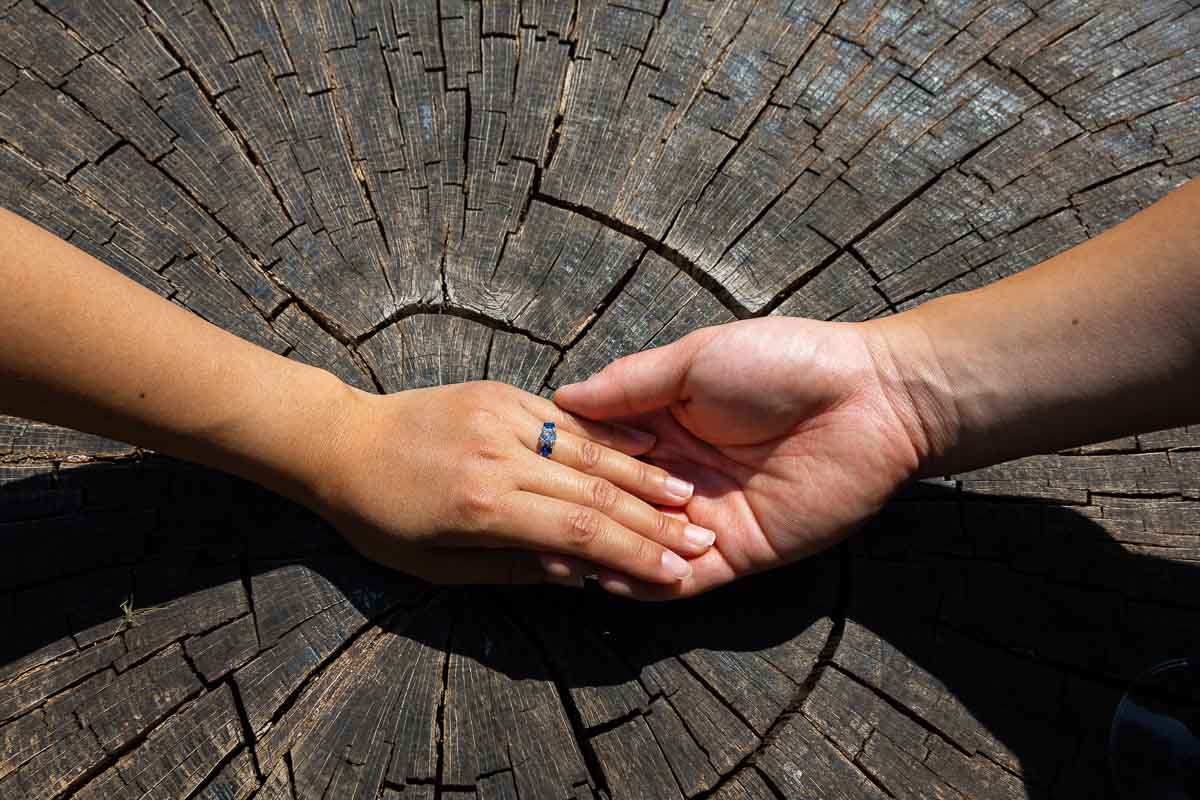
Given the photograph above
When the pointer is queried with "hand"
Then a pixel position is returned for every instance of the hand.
(447, 484)
(793, 432)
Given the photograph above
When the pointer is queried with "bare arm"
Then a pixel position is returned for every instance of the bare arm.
(90, 349)
(795, 431)
(1098, 342)
(403, 476)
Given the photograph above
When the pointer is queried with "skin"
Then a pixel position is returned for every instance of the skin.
(99, 353)
(796, 431)
(792, 431)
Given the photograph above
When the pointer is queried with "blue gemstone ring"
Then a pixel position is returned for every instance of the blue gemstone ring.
(547, 439)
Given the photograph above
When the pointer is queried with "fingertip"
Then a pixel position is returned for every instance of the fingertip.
(555, 566)
(568, 394)
(678, 490)
(598, 396)
(699, 538)
(616, 585)
(561, 571)
(622, 586)
(675, 565)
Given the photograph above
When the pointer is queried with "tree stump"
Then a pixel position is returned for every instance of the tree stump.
(413, 193)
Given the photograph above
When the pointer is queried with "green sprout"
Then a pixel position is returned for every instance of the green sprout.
(131, 614)
(127, 610)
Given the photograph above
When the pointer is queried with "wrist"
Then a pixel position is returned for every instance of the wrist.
(917, 383)
(295, 439)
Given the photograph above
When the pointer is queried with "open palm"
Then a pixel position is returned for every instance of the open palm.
(791, 430)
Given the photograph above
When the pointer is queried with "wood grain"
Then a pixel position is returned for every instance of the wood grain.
(412, 193)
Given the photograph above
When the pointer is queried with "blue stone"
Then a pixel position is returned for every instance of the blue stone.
(546, 440)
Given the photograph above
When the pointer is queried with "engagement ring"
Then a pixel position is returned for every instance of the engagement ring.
(546, 440)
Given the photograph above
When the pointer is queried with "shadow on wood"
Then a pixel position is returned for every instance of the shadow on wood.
(416, 193)
(961, 644)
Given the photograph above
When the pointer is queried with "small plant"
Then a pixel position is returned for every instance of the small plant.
(128, 612)
(131, 614)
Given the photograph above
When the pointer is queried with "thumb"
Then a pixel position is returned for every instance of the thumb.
(631, 385)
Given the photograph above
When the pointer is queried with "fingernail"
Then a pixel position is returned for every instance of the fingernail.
(698, 537)
(617, 586)
(675, 565)
(678, 488)
(573, 581)
(555, 568)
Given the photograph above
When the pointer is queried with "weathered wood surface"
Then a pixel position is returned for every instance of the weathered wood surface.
(412, 193)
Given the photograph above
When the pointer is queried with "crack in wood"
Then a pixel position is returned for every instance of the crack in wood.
(1142, 149)
(454, 310)
(440, 717)
(722, 295)
(599, 780)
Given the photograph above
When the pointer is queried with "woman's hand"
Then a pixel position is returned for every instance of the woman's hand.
(405, 477)
(446, 483)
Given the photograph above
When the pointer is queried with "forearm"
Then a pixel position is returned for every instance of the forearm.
(1098, 342)
(89, 349)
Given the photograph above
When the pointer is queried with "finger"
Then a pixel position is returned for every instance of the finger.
(566, 570)
(648, 481)
(552, 479)
(624, 586)
(538, 522)
(573, 571)
(708, 572)
(610, 434)
(631, 385)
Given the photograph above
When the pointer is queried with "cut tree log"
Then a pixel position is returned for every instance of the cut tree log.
(414, 192)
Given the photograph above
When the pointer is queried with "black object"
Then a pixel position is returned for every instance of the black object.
(1154, 743)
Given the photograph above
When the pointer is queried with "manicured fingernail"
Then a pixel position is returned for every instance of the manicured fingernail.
(555, 568)
(698, 537)
(678, 488)
(617, 586)
(675, 565)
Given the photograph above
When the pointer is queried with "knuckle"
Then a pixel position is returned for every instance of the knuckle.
(646, 552)
(603, 494)
(477, 507)
(664, 527)
(583, 527)
(489, 451)
(590, 454)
